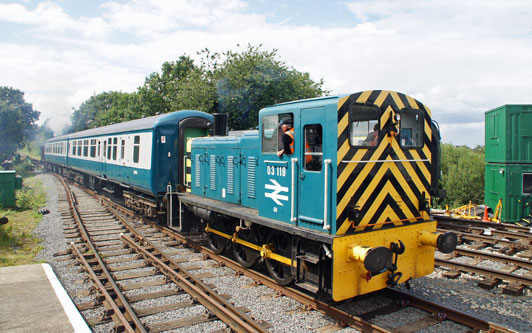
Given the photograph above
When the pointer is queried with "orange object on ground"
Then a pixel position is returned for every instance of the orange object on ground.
(485, 218)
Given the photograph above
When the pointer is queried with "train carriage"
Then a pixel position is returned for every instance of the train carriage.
(347, 213)
(140, 159)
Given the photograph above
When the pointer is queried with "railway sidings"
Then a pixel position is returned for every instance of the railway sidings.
(256, 294)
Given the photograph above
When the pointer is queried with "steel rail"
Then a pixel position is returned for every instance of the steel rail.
(454, 315)
(218, 305)
(487, 231)
(311, 302)
(308, 301)
(488, 239)
(519, 279)
(498, 226)
(495, 257)
(103, 290)
(139, 327)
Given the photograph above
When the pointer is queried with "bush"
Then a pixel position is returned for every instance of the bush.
(31, 196)
(462, 175)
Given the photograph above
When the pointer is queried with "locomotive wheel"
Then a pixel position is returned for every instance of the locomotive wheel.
(217, 243)
(244, 255)
(281, 245)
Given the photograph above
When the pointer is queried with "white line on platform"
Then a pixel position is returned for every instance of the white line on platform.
(77, 321)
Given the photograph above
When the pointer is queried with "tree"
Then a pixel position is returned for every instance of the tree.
(17, 121)
(161, 92)
(253, 79)
(83, 117)
(238, 83)
(462, 175)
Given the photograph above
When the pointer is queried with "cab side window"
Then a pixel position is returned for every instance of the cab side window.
(313, 147)
(363, 126)
(411, 131)
(271, 132)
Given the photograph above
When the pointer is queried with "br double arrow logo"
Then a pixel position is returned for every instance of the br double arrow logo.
(276, 195)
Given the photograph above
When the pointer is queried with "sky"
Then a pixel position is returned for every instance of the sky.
(458, 57)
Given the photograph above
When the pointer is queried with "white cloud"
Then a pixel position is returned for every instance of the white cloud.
(459, 58)
(50, 18)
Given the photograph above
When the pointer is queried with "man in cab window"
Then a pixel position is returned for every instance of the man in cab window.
(287, 140)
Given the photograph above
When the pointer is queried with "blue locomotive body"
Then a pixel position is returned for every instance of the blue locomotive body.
(224, 168)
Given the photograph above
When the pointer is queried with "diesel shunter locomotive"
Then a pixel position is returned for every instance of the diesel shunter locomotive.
(345, 214)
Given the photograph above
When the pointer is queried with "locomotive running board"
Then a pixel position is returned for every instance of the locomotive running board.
(251, 215)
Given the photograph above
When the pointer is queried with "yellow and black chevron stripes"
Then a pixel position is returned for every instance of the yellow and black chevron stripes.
(386, 182)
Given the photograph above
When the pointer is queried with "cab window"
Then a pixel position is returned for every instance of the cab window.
(271, 132)
(411, 129)
(363, 125)
(313, 147)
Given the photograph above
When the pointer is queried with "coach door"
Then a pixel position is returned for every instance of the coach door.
(312, 173)
(102, 150)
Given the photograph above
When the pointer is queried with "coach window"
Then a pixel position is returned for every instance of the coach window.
(136, 148)
(122, 149)
(109, 148)
(74, 147)
(93, 148)
(411, 129)
(85, 147)
(363, 125)
(115, 144)
(313, 147)
(104, 148)
(80, 147)
(99, 144)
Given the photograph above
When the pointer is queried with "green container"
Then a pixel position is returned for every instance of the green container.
(7, 188)
(509, 134)
(513, 184)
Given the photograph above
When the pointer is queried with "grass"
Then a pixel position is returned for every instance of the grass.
(18, 246)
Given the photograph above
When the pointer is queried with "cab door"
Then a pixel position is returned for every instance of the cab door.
(311, 203)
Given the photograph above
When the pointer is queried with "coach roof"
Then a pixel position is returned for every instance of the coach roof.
(133, 125)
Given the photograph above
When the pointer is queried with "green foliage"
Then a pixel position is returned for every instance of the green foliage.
(238, 83)
(17, 243)
(83, 117)
(17, 121)
(32, 195)
(462, 175)
(23, 167)
(248, 81)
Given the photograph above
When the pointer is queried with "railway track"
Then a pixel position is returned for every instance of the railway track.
(479, 242)
(125, 238)
(142, 243)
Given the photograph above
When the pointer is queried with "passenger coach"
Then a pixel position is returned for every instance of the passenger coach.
(142, 158)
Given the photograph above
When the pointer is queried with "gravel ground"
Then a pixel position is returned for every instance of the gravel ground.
(464, 295)
(284, 314)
